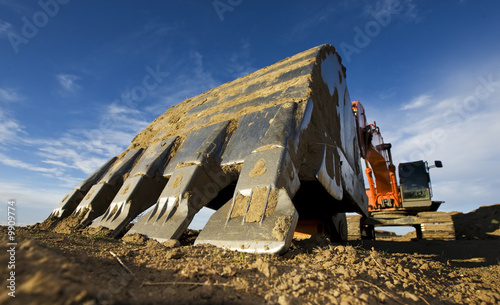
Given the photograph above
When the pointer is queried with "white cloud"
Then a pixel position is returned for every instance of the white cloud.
(10, 128)
(84, 155)
(418, 102)
(239, 62)
(9, 95)
(461, 131)
(59, 163)
(78, 151)
(23, 165)
(192, 81)
(68, 82)
(117, 109)
(87, 149)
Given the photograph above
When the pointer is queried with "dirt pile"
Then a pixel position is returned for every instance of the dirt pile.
(483, 223)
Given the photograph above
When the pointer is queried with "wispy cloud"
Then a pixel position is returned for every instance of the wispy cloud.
(10, 128)
(68, 82)
(9, 95)
(17, 6)
(87, 149)
(188, 82)
(239, 63)
(23, 165)
(460, 131)
(75, 153)
(71, 157)
(417, 102)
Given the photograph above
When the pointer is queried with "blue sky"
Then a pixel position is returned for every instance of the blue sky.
(73, 90)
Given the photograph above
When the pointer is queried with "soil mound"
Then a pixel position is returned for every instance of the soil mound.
(87, 267)
(483, 223)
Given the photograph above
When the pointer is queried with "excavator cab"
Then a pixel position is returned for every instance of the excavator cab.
(415, 186)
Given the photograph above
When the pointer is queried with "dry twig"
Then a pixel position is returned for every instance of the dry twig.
(147, 283)
(376, 262)
(424, 300)
(122, 264)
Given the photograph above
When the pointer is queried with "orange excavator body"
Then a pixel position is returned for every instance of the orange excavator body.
(389, 204)
(383, 192)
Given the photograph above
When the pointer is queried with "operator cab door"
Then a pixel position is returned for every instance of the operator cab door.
(415, 186)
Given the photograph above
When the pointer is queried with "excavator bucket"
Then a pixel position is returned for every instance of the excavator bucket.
(245, 149)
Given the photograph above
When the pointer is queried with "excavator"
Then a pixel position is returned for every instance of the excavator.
(389, 204)
(272, 152)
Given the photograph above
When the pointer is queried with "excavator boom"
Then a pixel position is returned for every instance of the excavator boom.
(380, 171)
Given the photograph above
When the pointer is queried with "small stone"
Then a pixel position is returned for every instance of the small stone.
(373, 274)
(27, 245)
(412, 296)
(169, 292)
(171, 243)
(286, 300)
(364, 297)
(382, 297)
(458, 298)
(174, 254)
(328, 265)
(207, 290)
(340, 249)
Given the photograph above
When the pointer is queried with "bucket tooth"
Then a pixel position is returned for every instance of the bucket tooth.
(95, 203)
(68, 204)
(181, 199)
(138, 192)
(100, 195)
(75, 196)
(195, 179)
(261, 217)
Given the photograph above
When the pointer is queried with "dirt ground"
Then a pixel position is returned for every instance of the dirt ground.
(88, 268)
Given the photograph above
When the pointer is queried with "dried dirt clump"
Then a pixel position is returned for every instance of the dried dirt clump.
(68, 224)
(259, 169)
(100, 231)
(135, 239)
